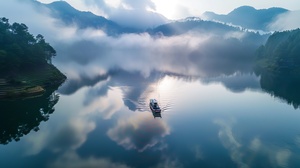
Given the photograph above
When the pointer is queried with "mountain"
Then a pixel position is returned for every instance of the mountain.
(69, 15)
(194, 24)
(191, 24)
(248, 17)
(221, 44)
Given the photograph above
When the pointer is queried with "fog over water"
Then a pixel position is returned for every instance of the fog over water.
(94, 53)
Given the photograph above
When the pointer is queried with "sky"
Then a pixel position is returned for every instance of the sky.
(177, 9)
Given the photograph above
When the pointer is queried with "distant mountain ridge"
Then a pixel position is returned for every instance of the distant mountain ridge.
(191, 24)
(248, 17)
(69, 15)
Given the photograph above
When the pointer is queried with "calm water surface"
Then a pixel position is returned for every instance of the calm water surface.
(224, 121)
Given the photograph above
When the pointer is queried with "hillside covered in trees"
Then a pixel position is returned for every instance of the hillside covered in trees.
(25, 61)
(20, 50)
(278, 65)
(281, 53)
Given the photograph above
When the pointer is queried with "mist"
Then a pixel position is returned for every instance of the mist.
(90, 55)
(129, 13)
(286, 21)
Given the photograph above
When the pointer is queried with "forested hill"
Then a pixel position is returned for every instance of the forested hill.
(25, 63)
(281, 53)
(20, 50)
(70, 16)
(278, 65)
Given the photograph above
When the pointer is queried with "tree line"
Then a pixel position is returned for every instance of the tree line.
(281, 53)
(20, 50)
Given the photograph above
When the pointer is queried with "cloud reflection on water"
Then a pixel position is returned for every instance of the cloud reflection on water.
(139, 132)
(60, 137)
(71, 159)
(251, 155)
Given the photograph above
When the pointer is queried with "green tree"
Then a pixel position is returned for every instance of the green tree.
(20, 50)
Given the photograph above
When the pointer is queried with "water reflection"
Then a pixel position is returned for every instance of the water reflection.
(257, 150)
(199, 80)
(71, 159)
(283, 86)
(237, 82)
(19, 117)
(139, 132)
(136, 88)
(109, 124)
(156, 114)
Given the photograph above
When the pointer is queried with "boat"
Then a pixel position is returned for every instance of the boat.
(154, 106)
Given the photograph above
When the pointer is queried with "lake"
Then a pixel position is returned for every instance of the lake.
(226, 120)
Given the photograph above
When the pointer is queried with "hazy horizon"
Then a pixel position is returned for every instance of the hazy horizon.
(176, 9)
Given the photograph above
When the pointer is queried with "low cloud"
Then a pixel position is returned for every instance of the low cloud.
(190, 54)
(92, 53)
(286, 21)
(88, 56)
(129, 13)
(136, 18)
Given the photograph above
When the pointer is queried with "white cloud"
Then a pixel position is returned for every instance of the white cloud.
(286, 21)
(129, 13)
(167, 54)
(137, 18)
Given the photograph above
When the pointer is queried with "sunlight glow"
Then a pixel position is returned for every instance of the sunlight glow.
(165, 84)
(166, 8)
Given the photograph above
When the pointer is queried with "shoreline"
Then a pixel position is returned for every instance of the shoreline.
(32, 83)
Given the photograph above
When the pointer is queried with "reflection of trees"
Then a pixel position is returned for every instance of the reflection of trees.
(18, 118)
(284, 86)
